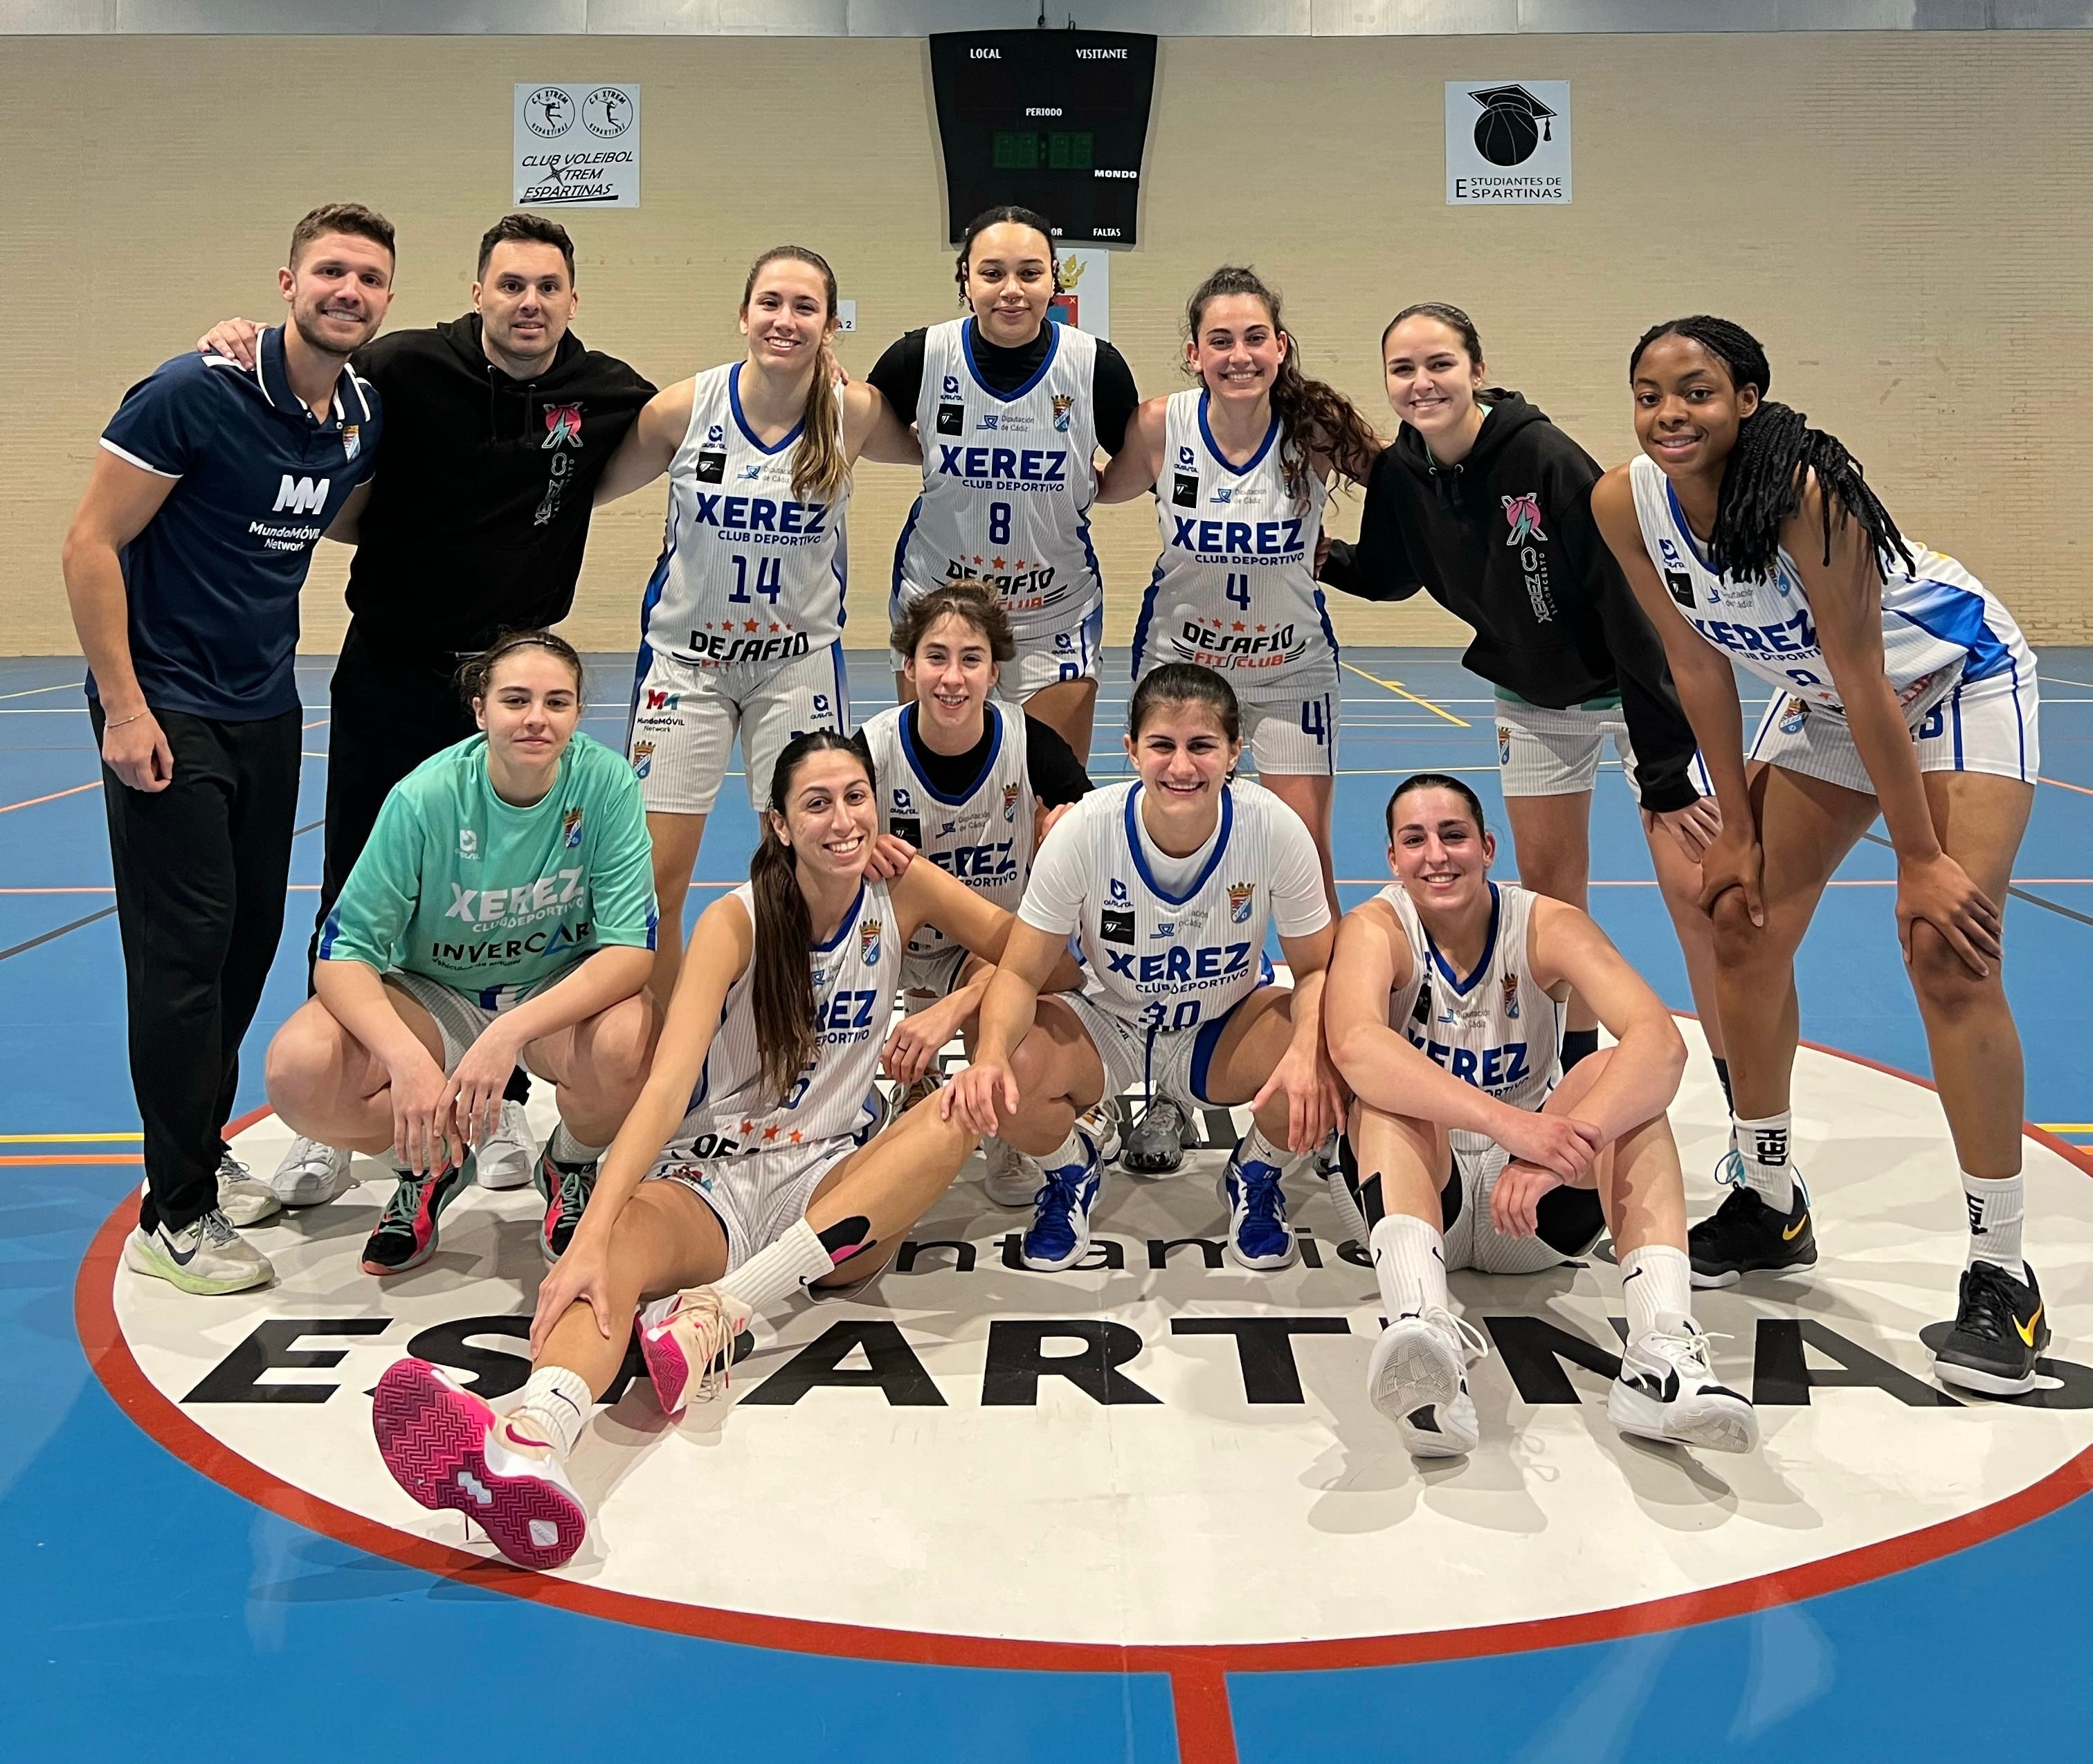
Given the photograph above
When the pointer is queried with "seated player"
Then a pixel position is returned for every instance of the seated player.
(1169, 882)
(1445, 1014)
(502, 911)
(974, 786)
(743, 1174)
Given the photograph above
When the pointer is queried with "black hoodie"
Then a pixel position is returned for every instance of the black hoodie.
(480, 507)
(1506, 540)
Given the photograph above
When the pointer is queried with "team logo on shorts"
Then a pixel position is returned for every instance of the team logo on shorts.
(1511, 995)
(1792, 718)
(1010, 795)
(642, 758)
(1504, 745)
(867, 941)
(570, 824)
(1240, 896)
(563, 425)
(1524, 515)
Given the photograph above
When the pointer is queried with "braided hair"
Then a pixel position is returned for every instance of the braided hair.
(1775, 452)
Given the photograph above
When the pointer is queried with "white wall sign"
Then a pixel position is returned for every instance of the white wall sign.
(846, 315)
(1085, 300)
(1507, 140)
(578, 146)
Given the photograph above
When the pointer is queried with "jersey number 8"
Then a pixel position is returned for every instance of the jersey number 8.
(998, 523)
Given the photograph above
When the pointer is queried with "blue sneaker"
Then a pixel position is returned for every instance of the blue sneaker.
(1259, 1235)
(1059, 1234)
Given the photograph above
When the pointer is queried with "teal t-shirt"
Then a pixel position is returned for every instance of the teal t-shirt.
(462, 887)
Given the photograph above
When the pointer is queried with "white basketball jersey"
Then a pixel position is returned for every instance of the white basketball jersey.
(732, 1112)
(1008, 483)
(1235, 588)
(1939, 623)
(1169, 961)
(1495, 1028)
(748, 573)
(983, 836)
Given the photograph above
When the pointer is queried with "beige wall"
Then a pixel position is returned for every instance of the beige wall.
(1903, 218)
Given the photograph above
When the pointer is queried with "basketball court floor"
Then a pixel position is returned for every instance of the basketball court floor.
(1141, 1511)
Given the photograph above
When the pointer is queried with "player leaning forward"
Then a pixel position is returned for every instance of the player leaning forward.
(1169, 884)
(1445, 1014)
(499, 913)
(743, 1174)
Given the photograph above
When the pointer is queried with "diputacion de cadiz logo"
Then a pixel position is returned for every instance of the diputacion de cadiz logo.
(1036, 1468)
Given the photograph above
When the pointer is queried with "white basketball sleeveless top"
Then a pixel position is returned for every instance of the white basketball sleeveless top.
(984, 836)
(1494, 1027)
(748, 573)
(1172, 962)
(856, 973)
(1235, 588)
(1939, 623)
(1008, 483)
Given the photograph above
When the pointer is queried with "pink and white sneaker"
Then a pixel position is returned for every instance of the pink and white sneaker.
(689, 1348)
(447, 1449)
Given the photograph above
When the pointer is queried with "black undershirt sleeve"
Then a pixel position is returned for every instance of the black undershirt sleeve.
(898, 374)
(1378, 566)
(1056, 775)
(1114, 398)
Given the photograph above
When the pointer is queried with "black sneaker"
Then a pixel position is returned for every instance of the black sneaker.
(1154, 1145)
(1998, 1334)
(566, 1188)
(406, 1233)
(1744, 1235)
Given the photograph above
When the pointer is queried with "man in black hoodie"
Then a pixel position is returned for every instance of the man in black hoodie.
(499, 424)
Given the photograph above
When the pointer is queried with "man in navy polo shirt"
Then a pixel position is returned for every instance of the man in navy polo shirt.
(182, 567)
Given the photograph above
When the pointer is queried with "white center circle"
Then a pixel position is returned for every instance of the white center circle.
(1158, 1452)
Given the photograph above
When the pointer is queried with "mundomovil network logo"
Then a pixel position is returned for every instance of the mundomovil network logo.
(1507, 141)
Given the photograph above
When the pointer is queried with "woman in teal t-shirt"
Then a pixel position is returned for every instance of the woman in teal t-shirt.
(502, 911)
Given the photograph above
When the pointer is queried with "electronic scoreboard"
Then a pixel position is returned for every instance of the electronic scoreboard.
(1051, 120)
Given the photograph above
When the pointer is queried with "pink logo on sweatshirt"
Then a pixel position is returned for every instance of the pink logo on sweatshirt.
(1523, 512)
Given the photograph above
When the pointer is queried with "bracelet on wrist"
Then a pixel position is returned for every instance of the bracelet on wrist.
(121, 720)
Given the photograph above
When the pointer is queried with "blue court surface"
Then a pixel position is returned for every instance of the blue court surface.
(153, 1610)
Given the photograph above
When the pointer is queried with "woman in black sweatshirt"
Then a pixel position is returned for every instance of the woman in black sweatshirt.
(1487, 506)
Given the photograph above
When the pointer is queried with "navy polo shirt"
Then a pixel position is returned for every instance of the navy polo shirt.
(213, 580)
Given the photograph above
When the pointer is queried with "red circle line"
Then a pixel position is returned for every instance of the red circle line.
(1196, 1668)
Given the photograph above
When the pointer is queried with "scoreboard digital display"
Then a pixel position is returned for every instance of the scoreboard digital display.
(1051, 120)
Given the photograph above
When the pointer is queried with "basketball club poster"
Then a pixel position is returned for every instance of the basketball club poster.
(1507, 140)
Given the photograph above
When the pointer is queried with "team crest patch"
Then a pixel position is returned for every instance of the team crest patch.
(351, 442)
(867, 941)
(1240, 896)
(1522, 515)
(1511, 995)
(570, 824)
(1504, 745)
(563, 425)
(642, 758)
(1010, 795)
(1063, 403)
(1792, 718)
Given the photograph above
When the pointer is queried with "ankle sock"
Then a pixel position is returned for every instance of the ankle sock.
(1768, 1171)
(553, 1409)
(1409, 1266)
(796, 1259)
(1997, 1206)
(1254, 1145)
(1656, 1285)
(564, 1148)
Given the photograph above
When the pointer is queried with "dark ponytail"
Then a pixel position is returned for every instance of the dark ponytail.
(1774, 454)
(476, 674)
(781, 982)
(1314, 417)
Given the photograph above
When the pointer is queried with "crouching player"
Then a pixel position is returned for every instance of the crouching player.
(744, 1173)
(1444, 1013)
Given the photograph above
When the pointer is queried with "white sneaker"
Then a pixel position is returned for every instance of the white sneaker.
(243, 1197)
(508, 1157)
(689, 1348)
(1013, 1179)
(311, 1174)
(208, 1256)
(1667, 1391)
(1419, 1379)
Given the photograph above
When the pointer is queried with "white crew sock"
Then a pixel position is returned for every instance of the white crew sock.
(1080, 1146)
(1409, 1265)
(564, 1148)
(1253, 1145)
(554, 1409)
(1657, 1283)
(1768, 1171)
(795, 1260)
(1997, 1206)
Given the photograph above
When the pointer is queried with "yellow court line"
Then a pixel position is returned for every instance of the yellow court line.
(2065, 1126)
(66, 1139)
(1401, 691)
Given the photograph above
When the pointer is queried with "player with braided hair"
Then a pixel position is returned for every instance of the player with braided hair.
(1901, 686)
